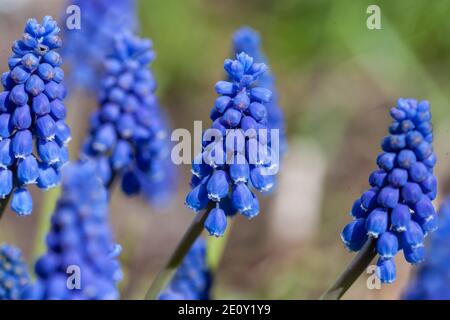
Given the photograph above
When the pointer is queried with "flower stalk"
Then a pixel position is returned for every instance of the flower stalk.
(352, 272)
(167, 273)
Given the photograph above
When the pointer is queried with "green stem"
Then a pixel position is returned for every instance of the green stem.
(43, 224)
(353, 271)
(216, 247)
(166, 274)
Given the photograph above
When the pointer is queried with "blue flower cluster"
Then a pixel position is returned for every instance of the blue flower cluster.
(129, 134)
(249, 41)
(80, 243)
(31, 108)
(237, 155)
(397, 211)
(13, 273)
(87, 47)
(432, 279)
(192, 281)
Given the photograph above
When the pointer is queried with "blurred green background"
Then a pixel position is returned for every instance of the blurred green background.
(337, 80)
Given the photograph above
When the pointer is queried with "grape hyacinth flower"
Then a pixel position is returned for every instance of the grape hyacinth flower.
(249, 41)
(32, 111)
(14, 275)
(129, 135)
(80, 239)
(238, 156)
(432, 280)
(397, 211)
(192, 281)
(87, 47)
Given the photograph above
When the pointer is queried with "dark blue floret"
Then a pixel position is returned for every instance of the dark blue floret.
(397, 212)
(14, 276)
(240, 158)
(129, 133)
(87, 47)
(79, 236)
(31, 111)
(431, 281)
(193, 280)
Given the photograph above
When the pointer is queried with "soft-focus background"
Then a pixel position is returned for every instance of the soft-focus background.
(337, 80)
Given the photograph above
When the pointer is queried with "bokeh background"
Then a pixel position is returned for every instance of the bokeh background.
(337, 80)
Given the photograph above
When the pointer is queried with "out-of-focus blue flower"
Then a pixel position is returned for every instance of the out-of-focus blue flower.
(249, 41)
(32, 113)
(397, 210)
(237, 153)
(193, 280)
(79, 239)
(129, 134)
(87, 47)
(431, 280)
(13, 273)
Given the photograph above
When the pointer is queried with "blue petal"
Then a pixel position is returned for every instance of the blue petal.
(388, 197)
(218, 185)
(386, 270)
(28, 170)
(424, 208)
(41, 105)
(197, 198)
(398, 178)
(21, 118)
(121, 155)
(377, 222)
(411, 193)
(21, 202)
(130, 183)
(354, 234)
(48, 151)
(48, 177)
(46, 127)
(261, 180)
(400, 217)
(418, 172)
(242, 198)
(216, 222)
(6, 183)
(387, 245)
(6, 155)
(22, 144)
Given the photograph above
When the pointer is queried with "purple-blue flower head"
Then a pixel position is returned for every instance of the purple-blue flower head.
(87, 46)
(249, 41)
(193, 280)
(237, 156)
(129, 133)
(397, 211)
(33, 132)
(14, 275)
(431, 281)
(80, 247)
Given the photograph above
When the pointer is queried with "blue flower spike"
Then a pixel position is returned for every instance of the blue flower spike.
(397, 212)
(87, 47)
(430, 280)
(32, 115)
(79, 241)
(237, 157)
(129, 133)
(193, 279)
(14, 277)
(249, 41)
